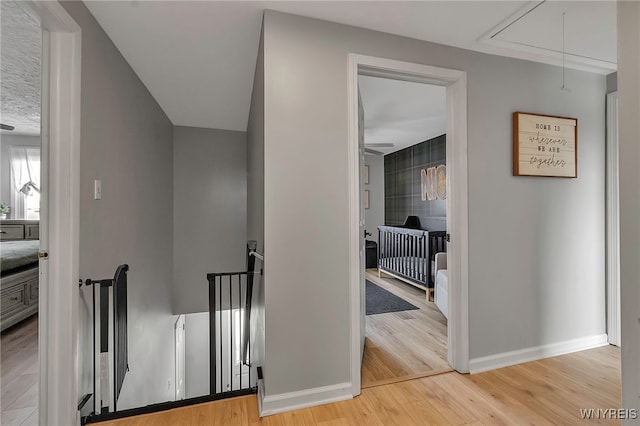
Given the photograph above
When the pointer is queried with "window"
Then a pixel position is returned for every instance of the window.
(25, 179)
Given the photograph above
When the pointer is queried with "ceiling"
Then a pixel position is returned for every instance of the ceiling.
(401, 113)
(198, 58)
(20, 47)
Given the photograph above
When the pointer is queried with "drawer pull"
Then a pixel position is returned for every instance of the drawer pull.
(3, 232)
(15, 298)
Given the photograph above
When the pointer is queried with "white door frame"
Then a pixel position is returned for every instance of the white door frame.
(457, 201)
(613, 223)
(60, 207)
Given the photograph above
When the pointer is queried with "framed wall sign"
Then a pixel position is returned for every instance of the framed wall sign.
(545, 145)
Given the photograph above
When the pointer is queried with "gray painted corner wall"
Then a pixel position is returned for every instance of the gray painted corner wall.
(255, 191)
(209, 211)
(374, 215)
(6, 141)
(127, 142)
(536, 256)
(255, 154)
(629, 135)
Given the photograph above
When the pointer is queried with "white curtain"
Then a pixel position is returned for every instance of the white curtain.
(25, 169)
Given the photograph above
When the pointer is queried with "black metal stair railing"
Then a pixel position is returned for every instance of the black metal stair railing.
(118, 346)
(230, 309)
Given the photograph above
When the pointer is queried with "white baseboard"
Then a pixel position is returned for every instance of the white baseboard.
(274, 404)
(505, 359)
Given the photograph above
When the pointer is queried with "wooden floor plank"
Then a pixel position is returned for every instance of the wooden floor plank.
(405, 344)
(549, 391)
(19, 373)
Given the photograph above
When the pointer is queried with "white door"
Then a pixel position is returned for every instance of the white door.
(362, 224)
(180, 355)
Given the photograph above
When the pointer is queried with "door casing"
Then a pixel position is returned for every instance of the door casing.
(455, 82)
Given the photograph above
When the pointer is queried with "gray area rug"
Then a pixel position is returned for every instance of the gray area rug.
(381, 301)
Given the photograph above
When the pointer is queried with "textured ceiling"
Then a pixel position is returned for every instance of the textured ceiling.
(20, 50)
(400, 112)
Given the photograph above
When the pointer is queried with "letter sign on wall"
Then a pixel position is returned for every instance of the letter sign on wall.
(544, 145)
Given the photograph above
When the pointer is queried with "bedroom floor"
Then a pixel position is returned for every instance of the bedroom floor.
(406, 344)
(19, 374)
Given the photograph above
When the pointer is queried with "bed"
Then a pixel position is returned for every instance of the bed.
(408, 254)
(18, 281)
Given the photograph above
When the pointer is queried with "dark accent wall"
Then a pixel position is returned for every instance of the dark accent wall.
(402, 192)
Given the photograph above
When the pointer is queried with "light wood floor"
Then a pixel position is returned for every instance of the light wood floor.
(19, 374)
(546, 392)
(406, 344)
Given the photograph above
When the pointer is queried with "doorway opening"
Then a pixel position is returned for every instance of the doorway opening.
(454, 83)
(20, 196)
(404, 198)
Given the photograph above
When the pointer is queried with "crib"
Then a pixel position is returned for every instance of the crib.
(408, 254)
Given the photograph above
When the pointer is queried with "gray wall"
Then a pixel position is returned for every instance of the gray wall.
(7, 140)
(536, 257)
(629, 135)
(374, 215)
(127, 142)
(403, 189)
(255, 191)
(209, 211)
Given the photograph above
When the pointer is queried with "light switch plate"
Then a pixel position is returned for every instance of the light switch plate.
(97, 189)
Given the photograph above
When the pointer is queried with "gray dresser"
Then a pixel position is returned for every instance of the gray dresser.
(18, 291)
(19, 230)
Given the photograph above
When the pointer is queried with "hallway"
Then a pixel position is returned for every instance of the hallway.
(550, 391)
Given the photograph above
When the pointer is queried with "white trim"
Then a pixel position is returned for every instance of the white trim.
(275, 404)
(59, 227)
(613, 222)
(457, 202)
(458, 225)
(491, 362)
(354, 226)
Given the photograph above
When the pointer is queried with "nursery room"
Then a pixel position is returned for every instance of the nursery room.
(405, 221)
